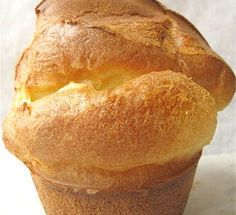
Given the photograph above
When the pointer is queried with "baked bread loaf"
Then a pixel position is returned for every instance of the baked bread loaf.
(114, 96)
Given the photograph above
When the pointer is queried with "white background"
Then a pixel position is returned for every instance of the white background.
(216, 19)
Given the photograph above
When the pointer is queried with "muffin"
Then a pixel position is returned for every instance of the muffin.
(114, 102)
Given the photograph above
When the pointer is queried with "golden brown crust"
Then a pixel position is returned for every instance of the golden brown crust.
(76, 38)
(129, 112)
(168, 197)
(151, 119)
(96, 179)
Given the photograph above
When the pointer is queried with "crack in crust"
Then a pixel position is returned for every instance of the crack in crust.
(78, 38)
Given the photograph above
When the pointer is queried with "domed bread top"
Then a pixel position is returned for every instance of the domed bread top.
(114, 85)
(81, 40)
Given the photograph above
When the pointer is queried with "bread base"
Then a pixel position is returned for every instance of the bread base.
(166, 198)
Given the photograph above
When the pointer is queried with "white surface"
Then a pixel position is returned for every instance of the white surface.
(214, 192)
(214, 188)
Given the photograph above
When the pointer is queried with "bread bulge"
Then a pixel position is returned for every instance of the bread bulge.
(114, 41)
(114, 85)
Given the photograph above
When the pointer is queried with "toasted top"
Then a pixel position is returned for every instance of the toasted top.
(115, 84)
(80, 40)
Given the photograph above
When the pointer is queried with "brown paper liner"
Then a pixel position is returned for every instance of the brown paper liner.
(165, 198)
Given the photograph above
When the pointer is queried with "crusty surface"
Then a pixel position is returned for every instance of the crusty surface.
(166, 198)
(77, 39)
(150, 87)
(150, 119)
(92, 180)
